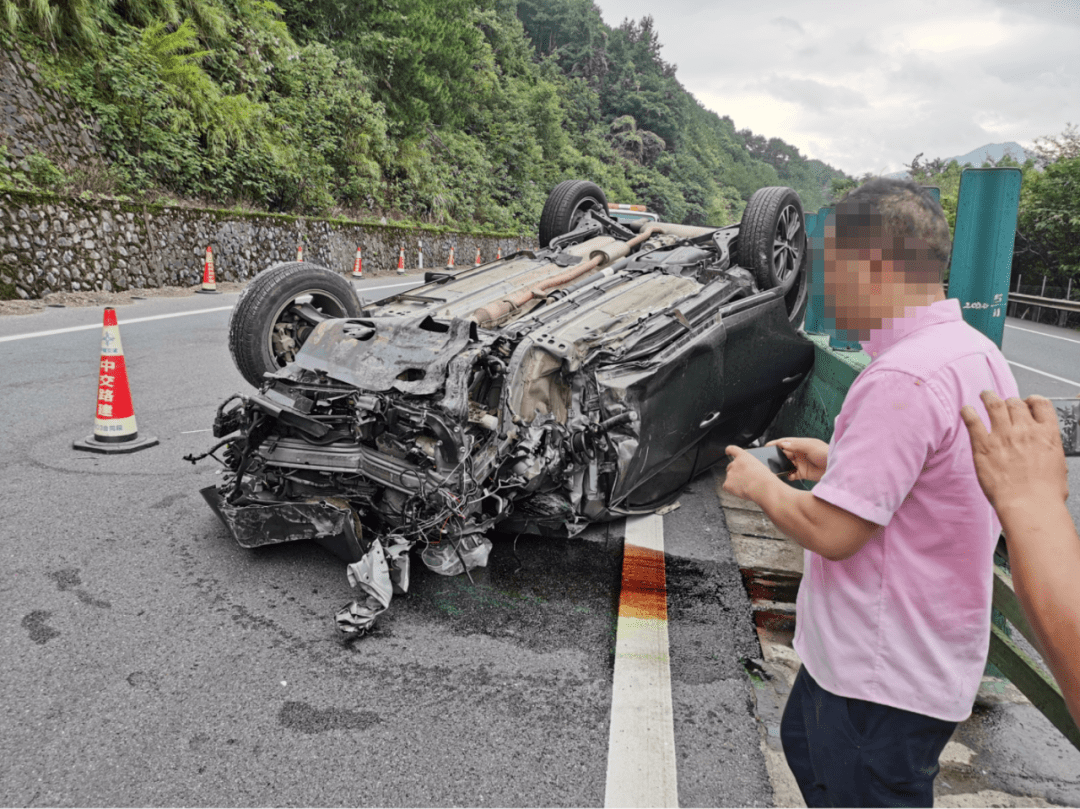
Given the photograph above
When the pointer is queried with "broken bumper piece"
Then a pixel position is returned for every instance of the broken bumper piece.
(380, 574)
(333, 525)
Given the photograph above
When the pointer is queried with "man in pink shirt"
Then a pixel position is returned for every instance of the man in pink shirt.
(893, 613)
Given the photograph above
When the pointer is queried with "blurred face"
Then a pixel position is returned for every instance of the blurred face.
(863, 289)
(857, 294)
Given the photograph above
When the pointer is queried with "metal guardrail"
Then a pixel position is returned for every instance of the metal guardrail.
(1047, 303)
(1021, 670)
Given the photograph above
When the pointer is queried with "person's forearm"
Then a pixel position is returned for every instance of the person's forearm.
(1044, 556)
(800, 516)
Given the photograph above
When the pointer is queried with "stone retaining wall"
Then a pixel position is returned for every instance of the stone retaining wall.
(52, 244)
(38, 119)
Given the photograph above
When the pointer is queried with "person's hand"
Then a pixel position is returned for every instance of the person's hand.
(810, 456)
(745, 474)
(1020, 462)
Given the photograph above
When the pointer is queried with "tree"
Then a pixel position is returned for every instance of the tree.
(922, 172)
(422, 54)
(838, 186)
(438, 110)
(1048, 230)
(1051, 148)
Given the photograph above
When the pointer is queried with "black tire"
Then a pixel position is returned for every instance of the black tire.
(566, 204)
(270, 301)
(798, 296)
(772, 237)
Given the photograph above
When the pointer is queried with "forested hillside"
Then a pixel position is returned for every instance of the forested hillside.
(449, 111)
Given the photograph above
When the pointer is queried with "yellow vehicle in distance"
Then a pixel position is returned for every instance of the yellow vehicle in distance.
(622, 212)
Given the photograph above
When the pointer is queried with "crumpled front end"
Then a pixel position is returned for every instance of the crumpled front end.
(408, 460)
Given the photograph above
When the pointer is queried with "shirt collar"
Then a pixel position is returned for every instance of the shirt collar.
(919, 317)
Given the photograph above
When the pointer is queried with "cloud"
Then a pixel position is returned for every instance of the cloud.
(860, 48)
(816, 95)
(956, 34)
(913, 70)
(1058, 12)
(787, 22)
(866, 86)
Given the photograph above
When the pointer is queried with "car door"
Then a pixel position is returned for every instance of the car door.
(678, 395)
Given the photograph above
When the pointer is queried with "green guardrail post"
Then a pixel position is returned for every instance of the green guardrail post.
(814, 322)
(817, 321)
(986, 211)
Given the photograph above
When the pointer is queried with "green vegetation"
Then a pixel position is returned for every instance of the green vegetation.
(1048, 231)
(458, 112)
(1048, 225)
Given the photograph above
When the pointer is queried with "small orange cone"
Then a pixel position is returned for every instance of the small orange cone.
(114, 420)
(209, 280)
(401, 262)
(478, 260)
(358, 265)
(299, 252)
(498, 254)
(450, 261)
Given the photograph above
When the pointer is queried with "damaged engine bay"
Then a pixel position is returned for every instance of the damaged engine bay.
(584, 381)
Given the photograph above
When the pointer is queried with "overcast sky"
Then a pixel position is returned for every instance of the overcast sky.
(865, 86)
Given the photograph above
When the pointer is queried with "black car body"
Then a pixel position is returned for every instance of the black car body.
(584, 381)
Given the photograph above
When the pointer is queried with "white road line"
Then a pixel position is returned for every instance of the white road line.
(69, 329)
(1037, 371)
(1041, 333)
(51, 332)
(641, 745)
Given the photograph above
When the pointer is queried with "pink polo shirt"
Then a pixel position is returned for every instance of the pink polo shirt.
(906, 621)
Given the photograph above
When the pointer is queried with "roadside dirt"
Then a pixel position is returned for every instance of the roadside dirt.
(73, 299)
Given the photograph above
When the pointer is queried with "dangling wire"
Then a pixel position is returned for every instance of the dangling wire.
(513, 550)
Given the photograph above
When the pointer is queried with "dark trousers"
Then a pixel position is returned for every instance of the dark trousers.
(849, 752)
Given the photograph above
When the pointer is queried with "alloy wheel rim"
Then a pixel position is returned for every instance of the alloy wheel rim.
(787, 246)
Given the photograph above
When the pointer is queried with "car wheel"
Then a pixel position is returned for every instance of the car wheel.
(798, 296)
(566, 204)
(278, 310)
(772, 238)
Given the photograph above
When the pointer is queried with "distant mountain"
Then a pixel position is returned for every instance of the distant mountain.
(976, 157)
(992, 151)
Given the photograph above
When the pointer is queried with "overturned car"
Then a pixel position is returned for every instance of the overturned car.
(587, 380)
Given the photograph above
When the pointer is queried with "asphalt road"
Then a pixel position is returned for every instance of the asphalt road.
(148, 660)
(1046, 360)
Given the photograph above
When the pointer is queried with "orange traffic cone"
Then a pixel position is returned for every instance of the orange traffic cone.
(209, 280)
(498, 254)
(114, 421)
(299, 252)
(478, 261)
(358, 266)
(450, 261)
(401, 262)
